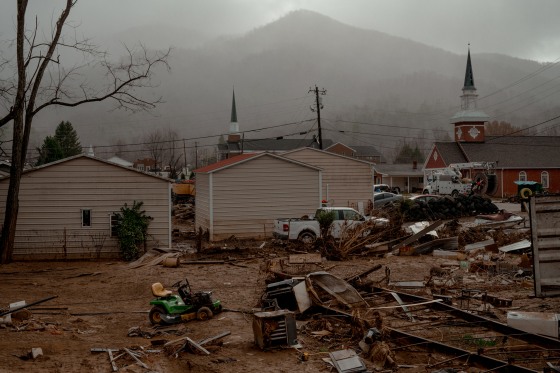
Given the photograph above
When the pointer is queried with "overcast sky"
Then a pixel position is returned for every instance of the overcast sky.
(519, 28)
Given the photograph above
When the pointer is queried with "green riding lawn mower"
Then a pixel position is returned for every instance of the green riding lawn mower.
(169, 308)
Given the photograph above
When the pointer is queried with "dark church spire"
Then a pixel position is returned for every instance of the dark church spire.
(233, 125)
(233, 109)
(469, 79)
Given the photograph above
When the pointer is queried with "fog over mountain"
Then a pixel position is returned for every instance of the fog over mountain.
(381, 89)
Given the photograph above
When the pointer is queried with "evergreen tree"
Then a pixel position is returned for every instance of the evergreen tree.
(67, 139)
(50, 151)
(407, 155)
(63, 144)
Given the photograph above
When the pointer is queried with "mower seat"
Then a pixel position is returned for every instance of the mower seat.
(159, 291)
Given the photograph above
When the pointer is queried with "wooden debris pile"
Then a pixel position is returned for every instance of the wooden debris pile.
(183, 212)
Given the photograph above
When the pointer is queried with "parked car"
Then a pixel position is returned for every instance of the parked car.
(381, 199)
(386, 188)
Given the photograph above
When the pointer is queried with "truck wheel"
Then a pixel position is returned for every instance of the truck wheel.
(155, 315)
(454, 194)
(425, 191)
(307, 237)
(204, 313)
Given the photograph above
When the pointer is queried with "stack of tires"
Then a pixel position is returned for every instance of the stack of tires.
(449, 208)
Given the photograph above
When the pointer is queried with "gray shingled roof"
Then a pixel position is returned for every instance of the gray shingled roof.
(450, 152)
(399, 169)
(509, 151)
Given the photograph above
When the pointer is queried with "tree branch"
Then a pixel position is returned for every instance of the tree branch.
(125, 77)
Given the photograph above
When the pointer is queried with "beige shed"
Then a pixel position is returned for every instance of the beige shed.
(346, 182)
(242, 195)
(67, 208)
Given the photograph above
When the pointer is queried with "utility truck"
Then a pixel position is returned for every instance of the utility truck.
(450, 180)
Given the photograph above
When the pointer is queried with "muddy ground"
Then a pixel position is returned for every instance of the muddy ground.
(98, 303)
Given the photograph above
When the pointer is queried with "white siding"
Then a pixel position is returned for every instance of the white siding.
(51, 199)
(202, 203)
(346, 180)
(248, 197)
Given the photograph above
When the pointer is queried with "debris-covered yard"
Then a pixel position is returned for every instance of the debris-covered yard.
(101, 311)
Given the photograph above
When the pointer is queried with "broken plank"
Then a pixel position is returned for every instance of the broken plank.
(197, 346)
(214, 338)
(418, 235)
(110, 353)
(112, 360)
(135, 358)
(202, 261)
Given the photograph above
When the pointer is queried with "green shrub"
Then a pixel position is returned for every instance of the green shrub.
(325, 219)
(132, 230)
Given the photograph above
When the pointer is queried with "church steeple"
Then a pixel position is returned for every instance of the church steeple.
(233, 125)
(468, 99)
(233, 109)
(469, 79)
(469, 122)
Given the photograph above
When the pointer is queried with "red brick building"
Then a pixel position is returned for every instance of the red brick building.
(527, 158)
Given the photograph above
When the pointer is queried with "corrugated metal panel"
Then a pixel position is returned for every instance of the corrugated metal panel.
(545, 234)
(52, 197)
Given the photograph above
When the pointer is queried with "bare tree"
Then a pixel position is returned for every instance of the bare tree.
(39, 81)
(165, 148)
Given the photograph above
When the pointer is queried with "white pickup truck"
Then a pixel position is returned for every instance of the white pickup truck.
(308, 229)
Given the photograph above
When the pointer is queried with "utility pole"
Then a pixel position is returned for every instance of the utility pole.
(318, 106)
(185, 158)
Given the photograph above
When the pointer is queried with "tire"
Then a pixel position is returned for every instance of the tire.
(155, 315)
(204, 313)
(425, 191)
(307, 237)
(454, 194)
(397, 190)
(525, 193)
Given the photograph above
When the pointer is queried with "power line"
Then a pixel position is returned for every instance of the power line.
(525, 129)
(392, 126)
(172, 145)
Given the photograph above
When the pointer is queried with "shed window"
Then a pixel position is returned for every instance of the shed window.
(114, 224)
(86, 217)
(544, 179)
(522, 176)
